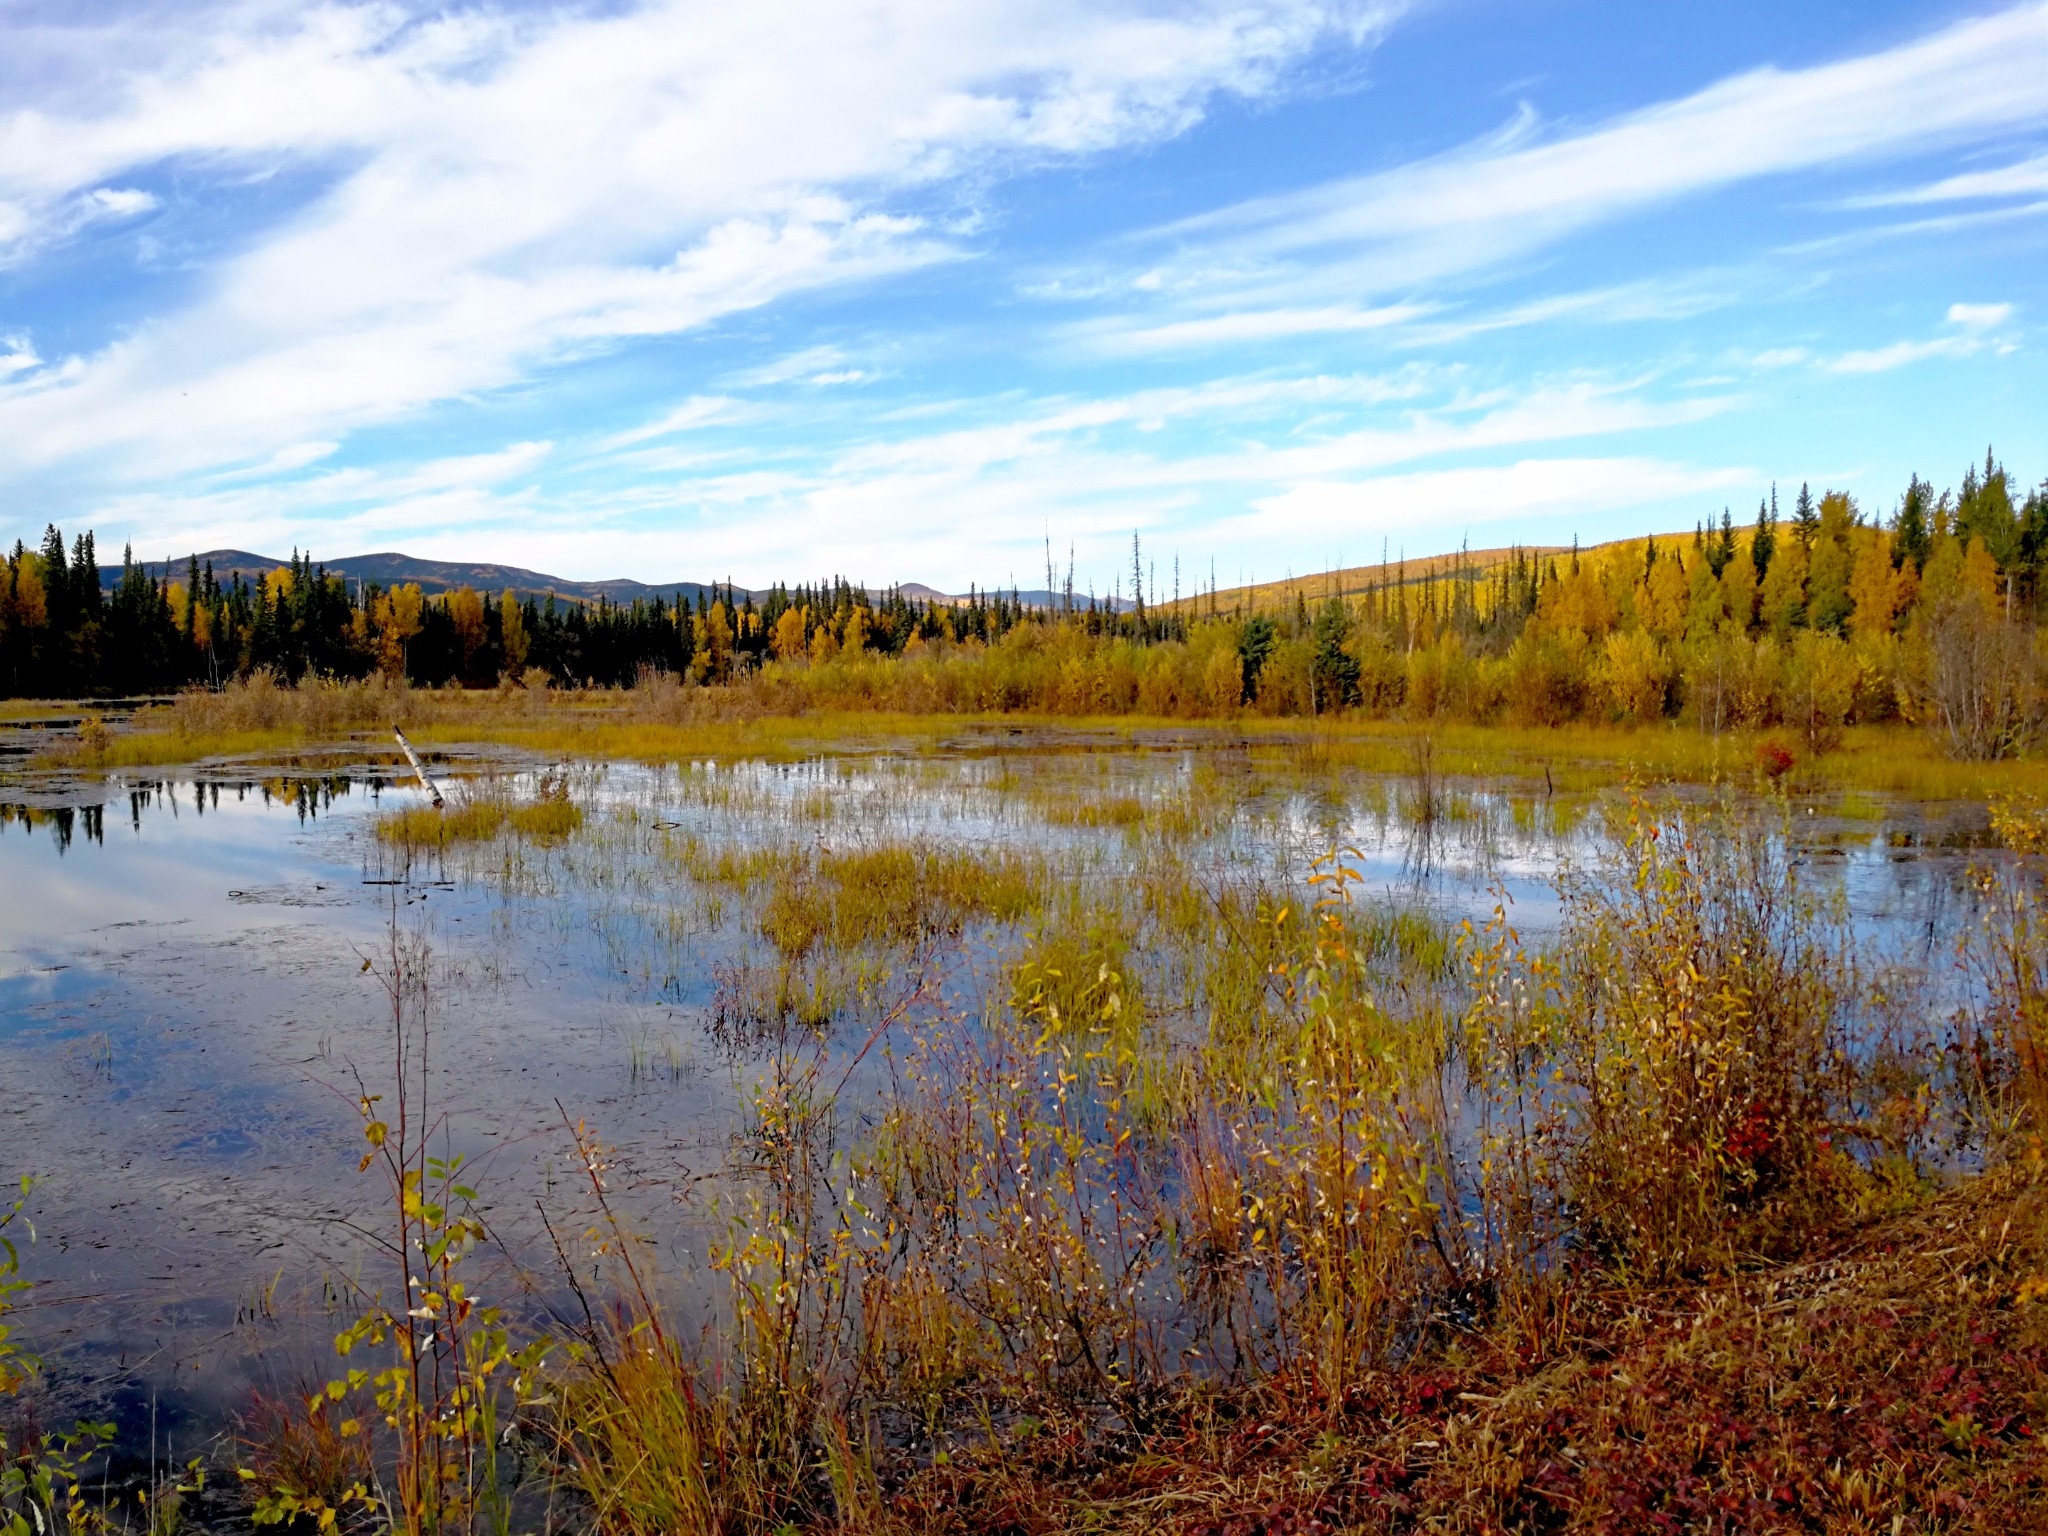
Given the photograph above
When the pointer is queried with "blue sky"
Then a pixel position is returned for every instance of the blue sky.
(903, 289)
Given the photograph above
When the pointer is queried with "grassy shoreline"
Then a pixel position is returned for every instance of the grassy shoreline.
(613, 725)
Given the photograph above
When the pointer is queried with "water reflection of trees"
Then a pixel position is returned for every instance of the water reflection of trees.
(63, 821)
(308, 794)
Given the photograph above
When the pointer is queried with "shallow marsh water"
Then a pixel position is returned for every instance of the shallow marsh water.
(185, 1014)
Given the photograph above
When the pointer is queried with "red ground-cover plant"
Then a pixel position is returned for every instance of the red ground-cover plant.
(1899, 1371)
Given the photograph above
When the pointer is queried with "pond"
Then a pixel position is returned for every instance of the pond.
(191, 1003)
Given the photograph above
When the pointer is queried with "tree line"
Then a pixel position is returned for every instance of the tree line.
(64, 632)
(1815, 616)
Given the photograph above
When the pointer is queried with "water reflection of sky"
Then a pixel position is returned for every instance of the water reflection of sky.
(183, 1005)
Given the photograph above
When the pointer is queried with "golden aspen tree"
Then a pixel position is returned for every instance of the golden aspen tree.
(1223, 680)
(1634, 674)
(1829, 564)
(718, 641)
(786, 639)
(1781, 600)
(1582, 604)
(1877, 593)
(30, 603)
(1663, 603)
(466, 613)
(399, 613)
(1738, 592)
(512, 637)
(1980, 578)
(1705, 607)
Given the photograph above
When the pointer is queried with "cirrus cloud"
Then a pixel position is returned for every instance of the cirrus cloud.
(500, 190)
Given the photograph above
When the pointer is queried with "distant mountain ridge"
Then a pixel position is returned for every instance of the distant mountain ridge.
(390, 569)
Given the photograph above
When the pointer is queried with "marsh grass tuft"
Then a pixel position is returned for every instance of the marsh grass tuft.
(422, 826)
(482, 811)
(1110, 811)
(889, 896)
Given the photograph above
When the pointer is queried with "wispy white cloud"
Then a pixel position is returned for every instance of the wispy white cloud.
(696, 412)
(1650, 299)
(511, 187)
(121, 202)
(17, 356)
(2022, 178)
(818, 366)
(27, 232)
(1974, 324)
(782, 370)
(1978, 76)
(1972, 220)
(1899, 353)
(1979, 317)
(1510, 194)
(466, 471)
(296, 456)
(1254, 325)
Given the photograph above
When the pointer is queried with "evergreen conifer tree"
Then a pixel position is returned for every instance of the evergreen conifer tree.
(1912, 538)
(1764, 543)
(1805, 519)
